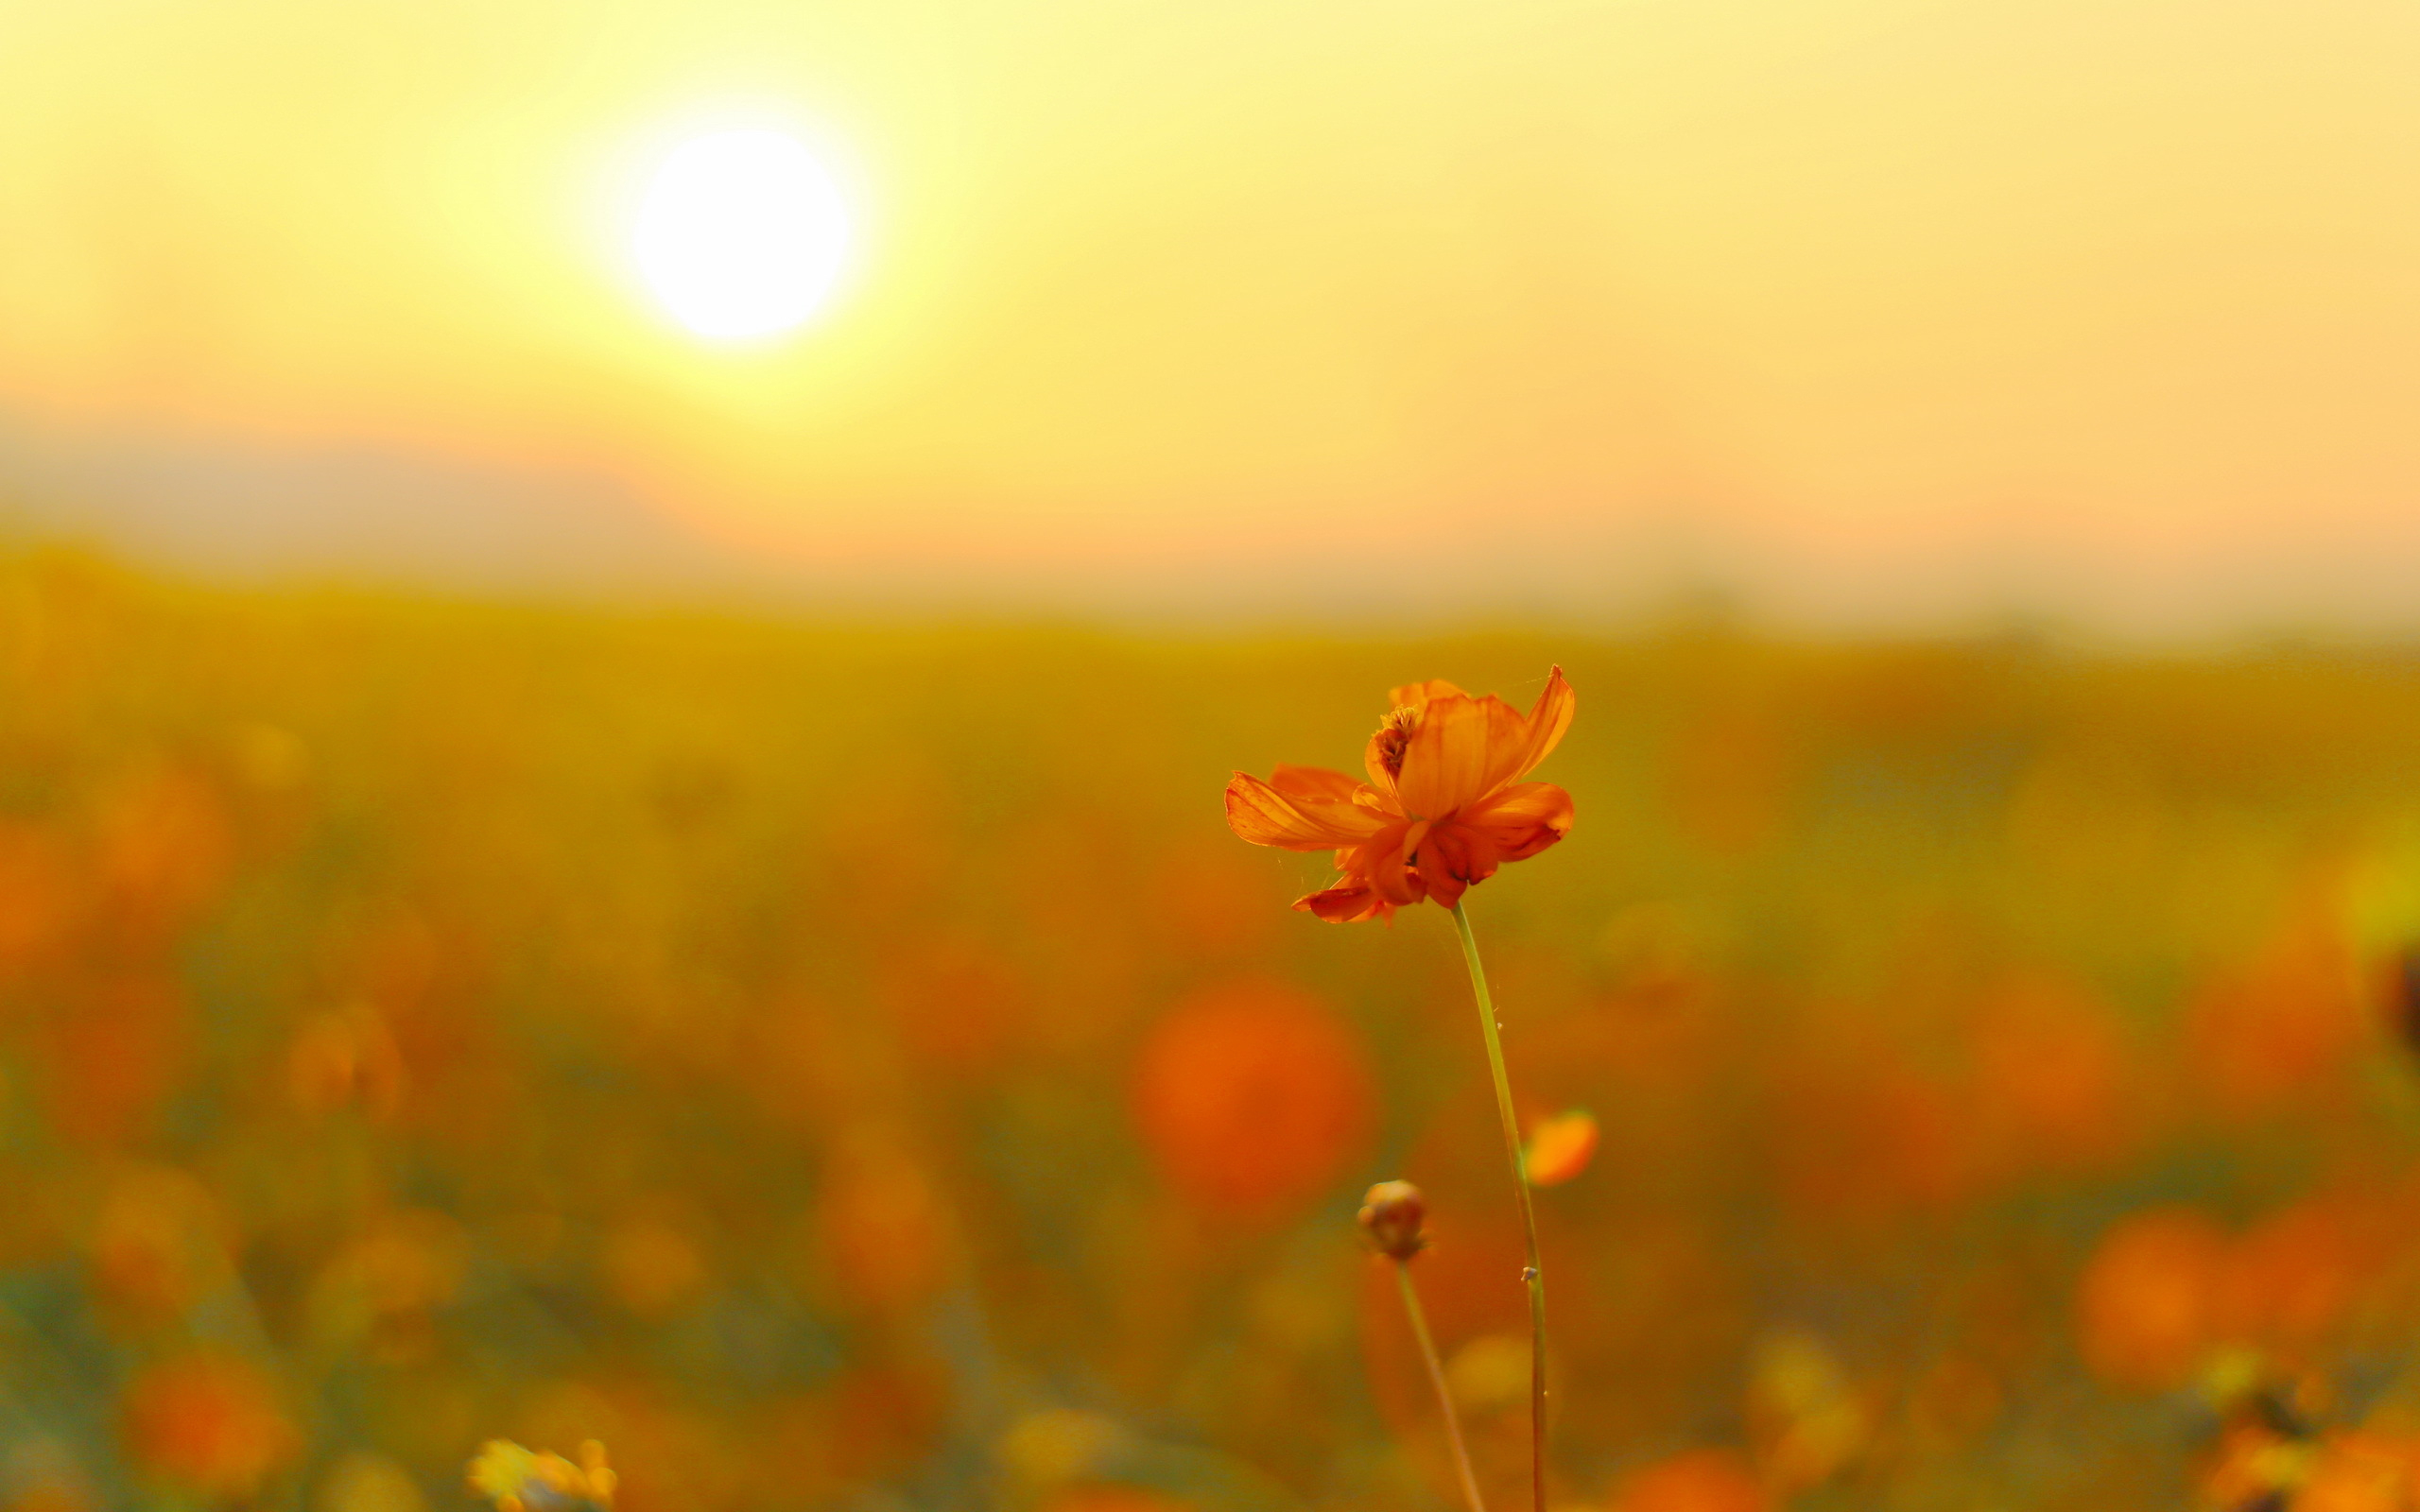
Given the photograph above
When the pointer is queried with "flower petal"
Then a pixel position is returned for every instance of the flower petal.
(1519, 821)
(1305, 819)
(1383, 861)
(1374, 758)
(1446, 762)
(1313, 783)
(1347, 903)
(1446, 864)
(1514, 750)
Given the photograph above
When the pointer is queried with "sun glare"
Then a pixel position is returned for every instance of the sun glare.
(741, 234)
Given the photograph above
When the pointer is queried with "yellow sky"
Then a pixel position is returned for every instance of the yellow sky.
(2112, 281)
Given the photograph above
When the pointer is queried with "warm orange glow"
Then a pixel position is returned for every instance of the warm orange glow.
(1885, 310)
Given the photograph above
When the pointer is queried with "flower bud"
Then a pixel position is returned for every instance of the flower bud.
(1391, 1214)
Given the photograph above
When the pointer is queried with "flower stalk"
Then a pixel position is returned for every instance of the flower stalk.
(1531, 1273)
(1445, 805)
(1391, 1217)
(1419, 1318)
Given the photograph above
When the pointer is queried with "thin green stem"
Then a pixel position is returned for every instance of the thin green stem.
(1531, 1273)
(1437, 1378)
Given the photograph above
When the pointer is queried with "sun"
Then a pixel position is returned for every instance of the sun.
(741, 234)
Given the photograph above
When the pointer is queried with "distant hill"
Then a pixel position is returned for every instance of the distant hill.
(250, 512)
(358, 514)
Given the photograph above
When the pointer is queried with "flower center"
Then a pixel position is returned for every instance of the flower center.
(1394, 737)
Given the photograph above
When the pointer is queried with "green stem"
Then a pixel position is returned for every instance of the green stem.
(1437, 1378)
(1532, 1274)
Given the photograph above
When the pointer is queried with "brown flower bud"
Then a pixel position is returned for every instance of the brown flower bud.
(1391, 1214)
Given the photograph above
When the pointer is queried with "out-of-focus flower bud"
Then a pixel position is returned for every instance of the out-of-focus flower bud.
(1391, 1214)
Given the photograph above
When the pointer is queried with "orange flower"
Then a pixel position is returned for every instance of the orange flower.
(210, 1422)
(1445, 805)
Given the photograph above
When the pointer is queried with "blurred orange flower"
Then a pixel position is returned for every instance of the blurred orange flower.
(1252, 1097)
(1705, 1480)
(208, 1421)
(1445, 805)
(2361, 1472)
(2149, 1304)
(1560, 1148)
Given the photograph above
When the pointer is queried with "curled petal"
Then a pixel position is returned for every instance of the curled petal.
(1445, 864)
(1520, 821)
(1516, 746)
(1514, 825)
(1385, 862)
(1348, 903)
(1463, 749)
(1395, 875)
(1308, 817)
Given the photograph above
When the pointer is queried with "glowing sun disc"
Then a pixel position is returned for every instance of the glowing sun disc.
(741, 234)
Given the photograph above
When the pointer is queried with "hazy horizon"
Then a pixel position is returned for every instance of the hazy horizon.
(354, 513)
(1893, 315)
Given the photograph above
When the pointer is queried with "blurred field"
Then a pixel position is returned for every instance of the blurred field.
(855, 1068)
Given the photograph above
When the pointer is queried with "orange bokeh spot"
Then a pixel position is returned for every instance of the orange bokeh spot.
(2292, 1281)
(2149, 1307)
(208, 1421)
(885, 1230)
(1560, 1148)
(348, 1058)
(1875, 1140)
(1253, 1097)
(1703, 1479)
(115, 1054)
(2052, 1079)
(2272, 1032)
(959, 1008)
(2363, 1473)
(882, 1418)
(166, 847)
(37, 895)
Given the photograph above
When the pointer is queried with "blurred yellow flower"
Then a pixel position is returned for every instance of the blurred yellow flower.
(518, 1480)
